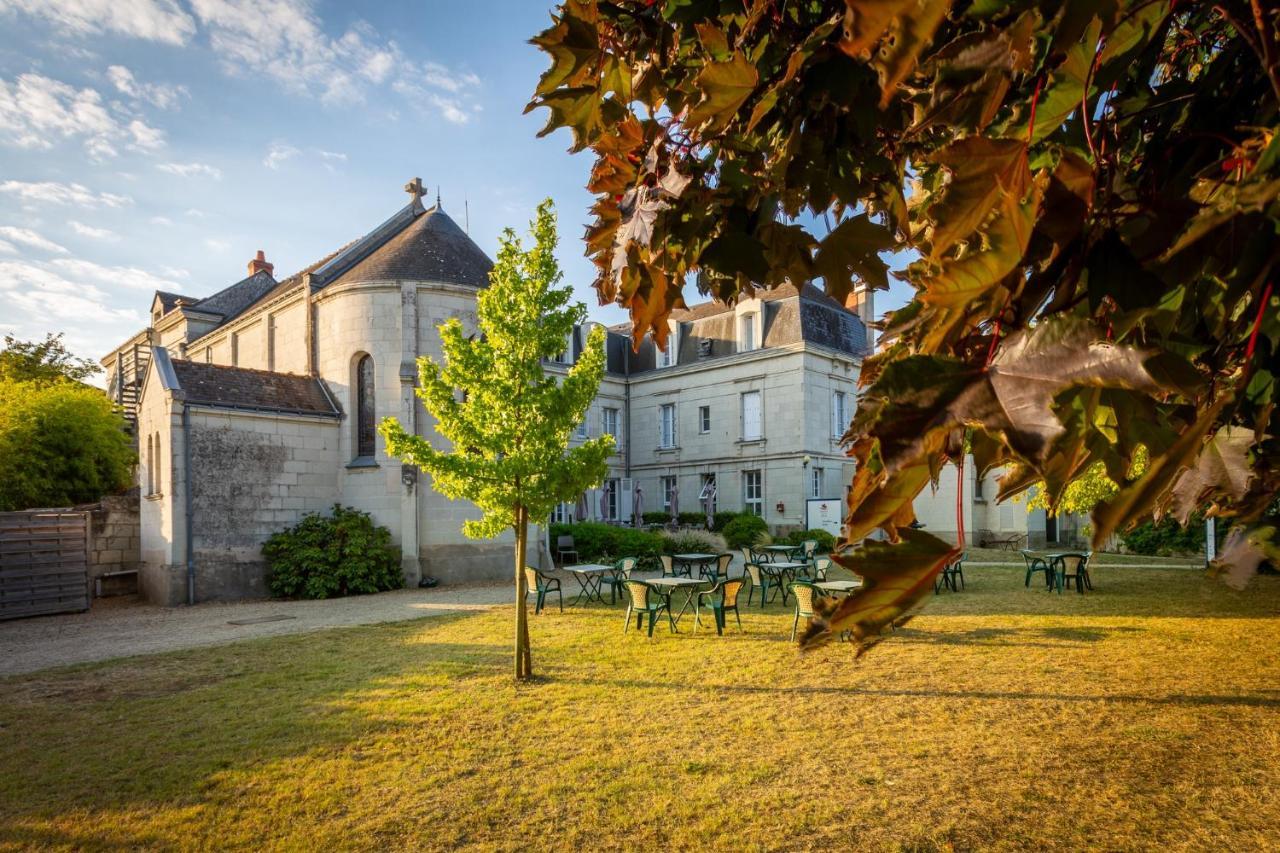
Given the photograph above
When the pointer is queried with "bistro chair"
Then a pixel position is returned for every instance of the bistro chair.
(820, 567)
(722, 567)
(541, 585)
(642, 599)
(804, 593)
(1073, 567)
(761, 579)
(621, 573)
(1036, 563)
(950, 574)
(747, 557)
(668, 565)
(720, 598)
(809, 548)
(566, 549)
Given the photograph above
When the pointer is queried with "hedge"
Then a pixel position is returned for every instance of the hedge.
(600, 542)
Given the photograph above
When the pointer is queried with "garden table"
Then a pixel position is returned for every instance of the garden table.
(589, 576)
(787, 571)
(838, 587)
(775, 551)
(667, 586)
(691, 560)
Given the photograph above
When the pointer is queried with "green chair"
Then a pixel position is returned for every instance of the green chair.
(762, 580)
(746, 557)
(1072, 567)
(950, 575)
(809, 548)
(1036, 563)
(642, 599)
(622, 570)
(721, 569)
(820, 567)
(721, 598)
(668, 565)
(804, 593)
(541, 584)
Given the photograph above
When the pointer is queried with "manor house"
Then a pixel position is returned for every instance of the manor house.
(258, 404)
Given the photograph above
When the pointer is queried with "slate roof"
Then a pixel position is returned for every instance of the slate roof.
(169, 301)
(232, 301)
(431, 247)
(260, 390)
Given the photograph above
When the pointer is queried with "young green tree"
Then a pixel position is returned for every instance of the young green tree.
(42, 362)
(507, 420)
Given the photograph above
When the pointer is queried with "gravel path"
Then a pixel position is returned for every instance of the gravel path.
(121, 627)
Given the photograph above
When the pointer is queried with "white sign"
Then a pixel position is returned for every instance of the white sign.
(824, 514)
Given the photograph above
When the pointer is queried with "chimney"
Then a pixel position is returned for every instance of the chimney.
(259, 264)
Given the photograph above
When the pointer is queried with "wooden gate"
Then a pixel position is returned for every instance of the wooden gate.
(44, 563)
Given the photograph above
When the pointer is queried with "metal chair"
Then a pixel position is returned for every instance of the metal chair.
(721, 569)
(1036, 563)
(1073, 567)
(804, 593)
(668, 565)
(642, 599)
(820, 567)
(565, 547)
(809, 548)
(622, 570)
(540, 585)
(761, 580)
(727, 590)
(951, 573)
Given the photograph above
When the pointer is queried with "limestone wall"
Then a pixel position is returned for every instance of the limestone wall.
(114, 541)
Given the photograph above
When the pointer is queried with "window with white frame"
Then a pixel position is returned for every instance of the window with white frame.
(753, 492)
(611, 499)
(748, 333)
(752, 417)
(609, 425)
(667, 357)
(668, 493)
(562, 514)
(815, 483)
(667, 425)
(582, 426)
(704, 419)
(839, 413)
(708, 493)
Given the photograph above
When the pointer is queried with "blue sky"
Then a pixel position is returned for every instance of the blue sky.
(157, 144)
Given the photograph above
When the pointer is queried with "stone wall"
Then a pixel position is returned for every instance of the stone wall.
(114, 531)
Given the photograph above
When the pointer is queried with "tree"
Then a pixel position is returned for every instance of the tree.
(508, 420)
(61, 443)
(43, 362)
(1090, 488)
(1090, 192)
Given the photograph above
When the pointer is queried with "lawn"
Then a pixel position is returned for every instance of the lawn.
(1144, 715)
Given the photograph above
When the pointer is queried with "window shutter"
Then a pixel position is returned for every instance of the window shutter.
(751, 426)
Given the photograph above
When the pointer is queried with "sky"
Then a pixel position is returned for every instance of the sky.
(158, 144)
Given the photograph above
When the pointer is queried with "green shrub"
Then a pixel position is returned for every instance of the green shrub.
(744, 530)
(328, 556)
(606, 542)
(720, 519)
(824, 539)
(658, 517)
(689, 543)
(693, 519)
(1166, 538)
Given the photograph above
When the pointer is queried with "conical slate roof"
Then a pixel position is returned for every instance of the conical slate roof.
(430, 248)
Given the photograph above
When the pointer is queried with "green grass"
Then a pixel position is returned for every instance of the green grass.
(1145, 715)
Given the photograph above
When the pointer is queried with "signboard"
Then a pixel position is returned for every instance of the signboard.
(824, 514)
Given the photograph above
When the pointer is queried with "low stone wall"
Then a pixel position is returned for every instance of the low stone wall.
(114, 542)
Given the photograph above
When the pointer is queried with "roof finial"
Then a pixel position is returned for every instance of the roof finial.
(437, 196)
(414, 189)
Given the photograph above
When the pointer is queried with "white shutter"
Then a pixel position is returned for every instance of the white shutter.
(751, 415)
(625, 501)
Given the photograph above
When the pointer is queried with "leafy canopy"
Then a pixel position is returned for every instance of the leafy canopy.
(507, 420)
(42, 361)
(1090, 190)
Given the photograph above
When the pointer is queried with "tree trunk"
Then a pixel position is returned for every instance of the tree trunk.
(524, 660)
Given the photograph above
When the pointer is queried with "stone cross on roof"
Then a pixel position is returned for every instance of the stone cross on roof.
(414, 188)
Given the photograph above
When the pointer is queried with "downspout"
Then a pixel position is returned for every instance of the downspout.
(190, 508)
(626, 399)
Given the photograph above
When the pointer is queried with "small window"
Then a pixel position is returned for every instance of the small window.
(753, 492)
(747, 334)
(366, 416)
(839, 414)
(581, 432)
(668, 357)
(708, 494)
(704, 419)
(157, 465)
(611, 499)
(668, 493)
(977, 488)
(752, 421)
(151, 466)
(610, 425)
(667, 425)
(562, 514)
(815, 483)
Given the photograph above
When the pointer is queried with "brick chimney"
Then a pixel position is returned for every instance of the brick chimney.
(259, 264)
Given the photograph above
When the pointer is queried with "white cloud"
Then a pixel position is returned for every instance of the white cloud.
(162, 221)
(27, 237)
(37, 298)
(191, 170)
(129, 277)
(51, 192)
(162, 95)
(38, 111)
(153, 20)
(278, 153)
(93, 233)
(217, 244)
(8, 248)
(195, 213)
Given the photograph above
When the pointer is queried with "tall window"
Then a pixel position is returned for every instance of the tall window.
(815, 483)
(610, 418)
(668, 493)
(753, 492)
(667, 357)
(582, 426)
(365, 413)
(747, 336)
(708, 493)
(667, 425)
(704, 419)
(611, 499)
(157, 480)
(151, 467)
(752, 425)
(562, 514)
(839, 414)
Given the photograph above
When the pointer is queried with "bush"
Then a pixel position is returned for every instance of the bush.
(689, 543)
(1166, 538)
(744, 530)
(694, 519)
(824, 539)
(720, 519)
(328, 556)
(597, 542)
(658, 517)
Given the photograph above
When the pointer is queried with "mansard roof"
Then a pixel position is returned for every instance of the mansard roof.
(241, 388)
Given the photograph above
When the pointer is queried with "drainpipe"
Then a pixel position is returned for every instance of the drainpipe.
(190, 509)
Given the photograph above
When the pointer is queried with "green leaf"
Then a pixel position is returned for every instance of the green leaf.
(983, 171)
(909, 34)
(852, 249)
(725, 87)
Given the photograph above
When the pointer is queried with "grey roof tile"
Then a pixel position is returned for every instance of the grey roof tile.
(260, 390)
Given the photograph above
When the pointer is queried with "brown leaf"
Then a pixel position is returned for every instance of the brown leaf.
(983, 171)
(1222, 470)
(909, 34)
(865, 21)
(725, 87)
(1241, 554)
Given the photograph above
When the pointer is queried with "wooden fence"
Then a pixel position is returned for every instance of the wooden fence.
(44, 563)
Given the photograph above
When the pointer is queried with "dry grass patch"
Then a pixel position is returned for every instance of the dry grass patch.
(1144, 715)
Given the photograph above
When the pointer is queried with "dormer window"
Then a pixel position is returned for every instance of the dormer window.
(749, 332)
(668, 357)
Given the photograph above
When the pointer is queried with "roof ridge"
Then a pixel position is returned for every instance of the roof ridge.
(362, 247)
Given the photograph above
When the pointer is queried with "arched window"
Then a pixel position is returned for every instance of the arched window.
(157, 480)
(150, 461)
(365, 417)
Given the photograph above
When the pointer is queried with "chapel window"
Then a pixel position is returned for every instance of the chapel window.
(365, 417)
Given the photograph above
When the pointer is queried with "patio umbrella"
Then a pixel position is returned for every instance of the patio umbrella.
(580, 511)
(675, 503)
(637, 506)
(604, 502)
